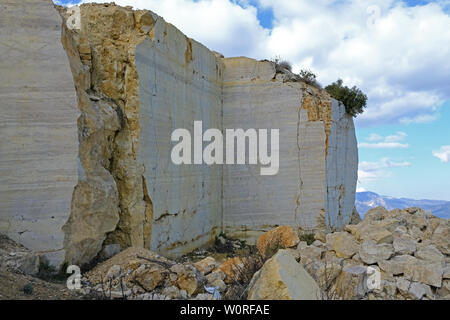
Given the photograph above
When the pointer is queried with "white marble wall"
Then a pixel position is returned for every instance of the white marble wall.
(176, 90)
(341, 168)
(312, 182)
(252, 98)
(38, 127)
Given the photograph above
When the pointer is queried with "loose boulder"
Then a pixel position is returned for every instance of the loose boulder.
(279, 238)
(282, 278)
(343, 244)
(370, 252)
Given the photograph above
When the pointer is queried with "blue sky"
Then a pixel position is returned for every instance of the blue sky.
(398, 52)
(411, 171)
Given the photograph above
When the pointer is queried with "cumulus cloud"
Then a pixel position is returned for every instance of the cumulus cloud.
(443, 154)
(398, 54)
(389, 142)
(421, 118)
(375, 137)
(228, 27)
(399, 136)
(369, 176)
(384, 145)
(370, 171)
(384, 163)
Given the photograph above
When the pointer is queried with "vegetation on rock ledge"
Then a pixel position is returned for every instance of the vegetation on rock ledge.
(353, 98)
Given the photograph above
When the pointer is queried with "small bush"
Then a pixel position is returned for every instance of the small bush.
(285, 65)
(28, 288)
(238, 289)
(353, 99)
(49, 273)
(309, 77)
(281, 65)
(307, 237)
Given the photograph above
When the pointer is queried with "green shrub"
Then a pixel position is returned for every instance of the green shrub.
(307, 237)
(28, 288)
(309, 77)
(353, 99)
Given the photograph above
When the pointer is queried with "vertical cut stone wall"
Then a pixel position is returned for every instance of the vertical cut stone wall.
(253, 98)
(179, 83)
(341, 168)
(38, 127)
(317, 153)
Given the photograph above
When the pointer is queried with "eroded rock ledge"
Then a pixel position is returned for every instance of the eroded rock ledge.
(137, 78)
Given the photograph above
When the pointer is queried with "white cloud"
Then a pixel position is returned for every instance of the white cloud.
(371, 171)
(368, 176)
(384, 145)
(384, 163)
(443, 154)
(399, 136)
(360, 189)
(400, 60)
(388, 142)
(421, 118)
(221, 25)
(375, 137)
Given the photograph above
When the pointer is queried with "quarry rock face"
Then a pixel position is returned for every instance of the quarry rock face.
(89, 111)
(314, 188)
(110, 204)
(179, 83)
(39, 165)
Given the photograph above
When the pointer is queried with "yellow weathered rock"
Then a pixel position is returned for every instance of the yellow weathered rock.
(279, 238)
(343, 244)
(150, 278)
(206, 265)
(234, 268)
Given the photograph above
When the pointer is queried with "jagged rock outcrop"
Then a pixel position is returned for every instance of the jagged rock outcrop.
(90, 167)
(410, 259)
(110, 204)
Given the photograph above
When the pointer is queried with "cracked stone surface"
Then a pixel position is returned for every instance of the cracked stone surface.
(38, 125)
(315, 186)
(89, 167)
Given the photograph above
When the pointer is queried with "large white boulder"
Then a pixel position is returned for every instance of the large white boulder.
(282, 278)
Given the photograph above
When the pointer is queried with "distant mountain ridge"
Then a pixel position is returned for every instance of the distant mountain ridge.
(368, 200)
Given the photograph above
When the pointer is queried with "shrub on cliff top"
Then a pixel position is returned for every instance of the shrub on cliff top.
(285, 65)
(353, 98)
(309, 77)
(281, 64)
